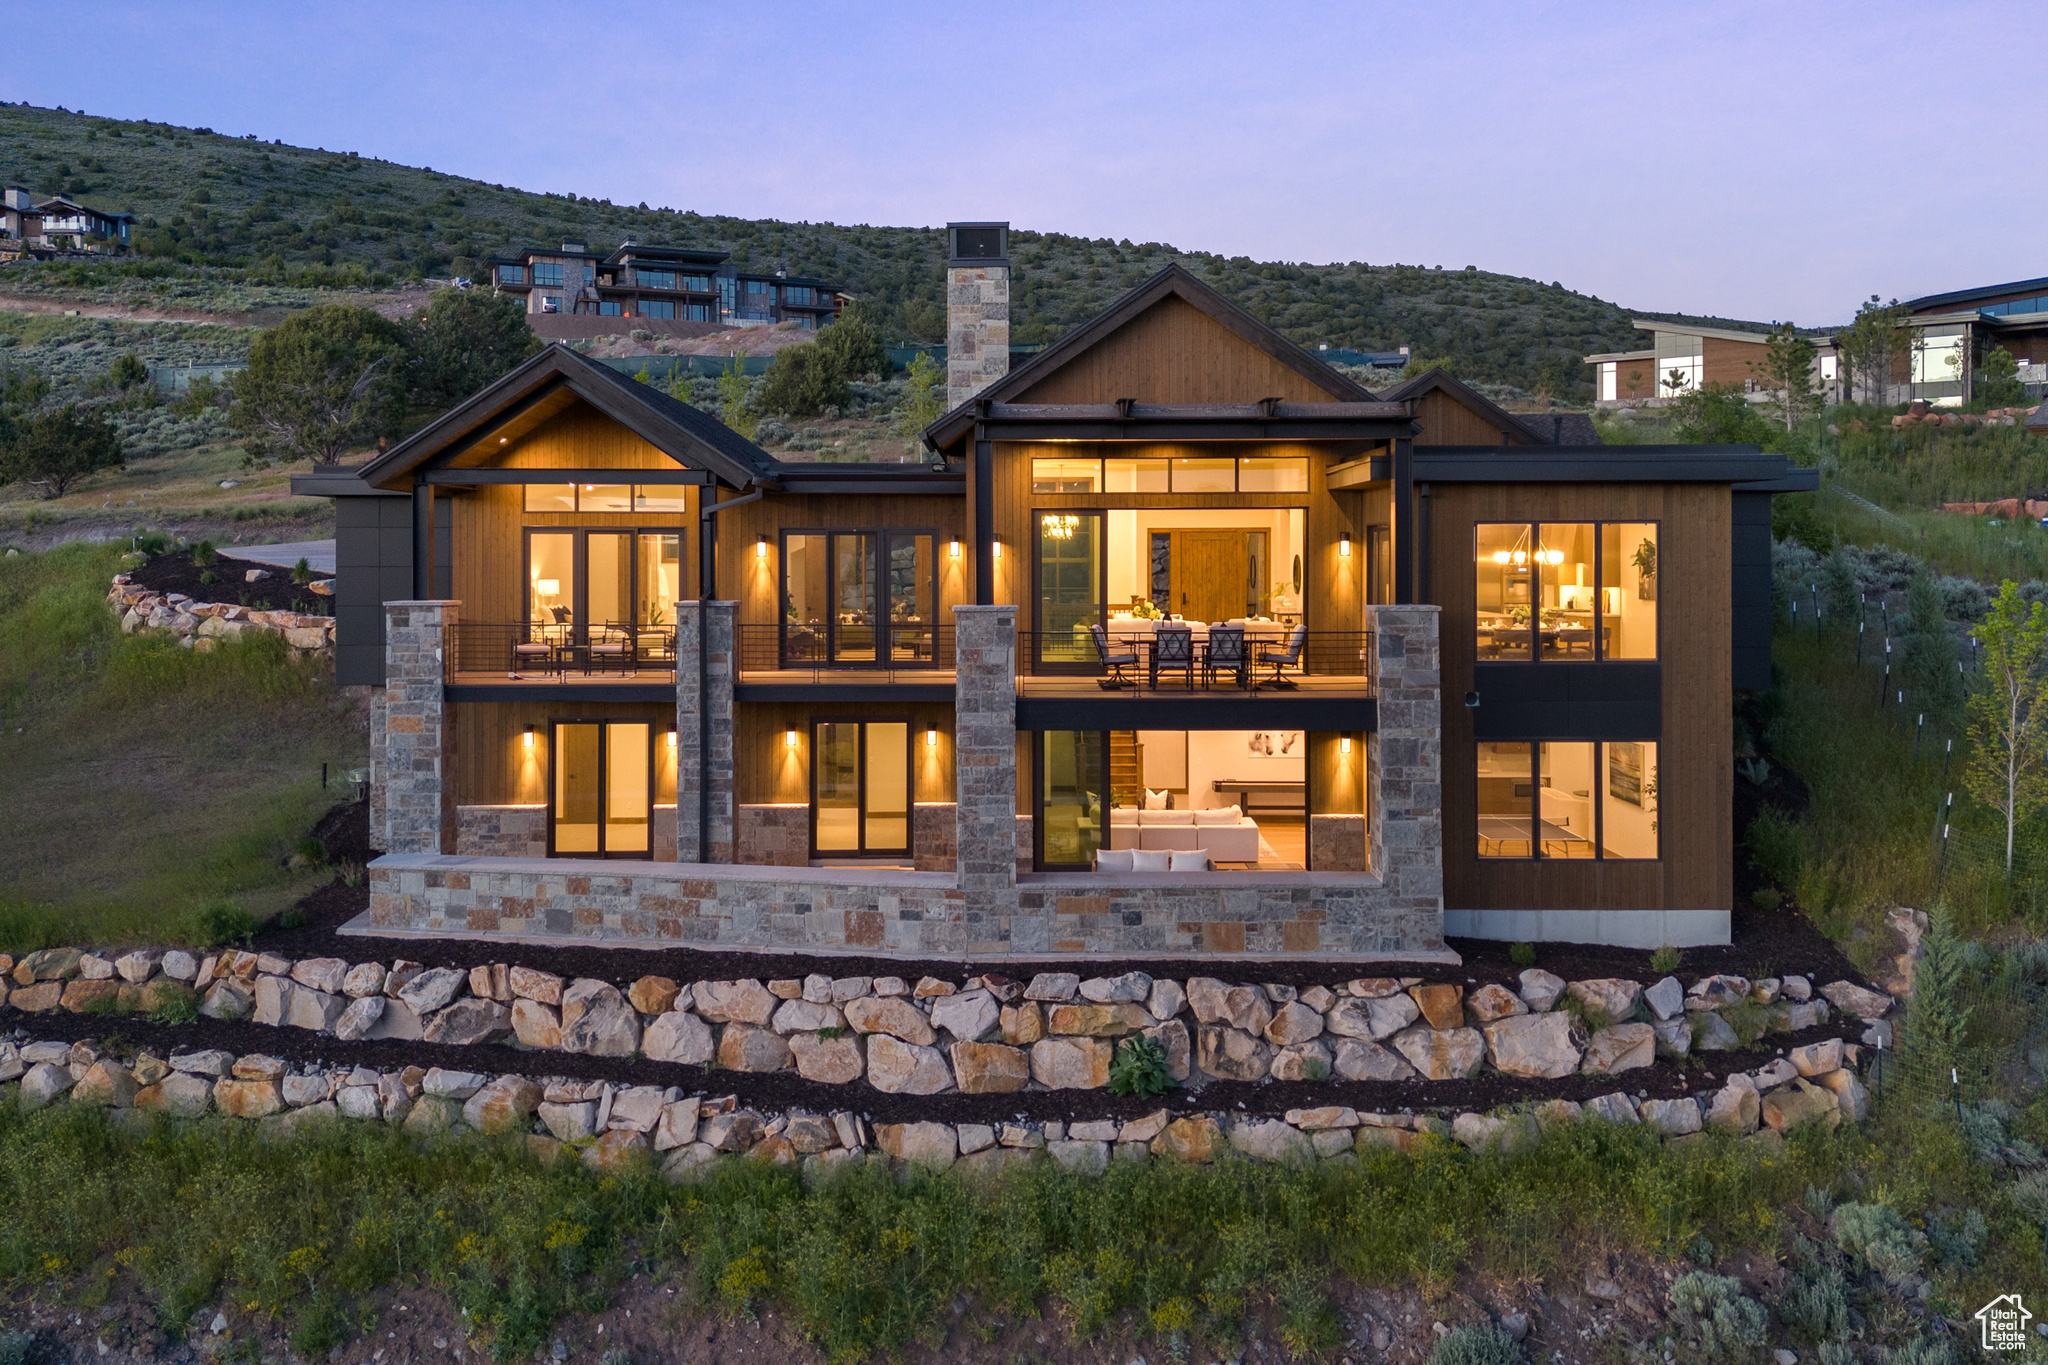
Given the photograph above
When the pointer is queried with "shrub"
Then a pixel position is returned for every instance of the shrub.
(1522, 954)
(853, 345)
(204, 553)
(1958, 1239)
(53, 451)
(1717, 1323)
(1815, 1307)
(223, 921)
(1475, 1346)
(802, 381)
(1138, 1067)
(17, 1348)
(1877, 1236)
(1766, 898)
(1664, 961)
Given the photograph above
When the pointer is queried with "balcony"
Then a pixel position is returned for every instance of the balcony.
(852, 660)
(1197, 679)
(487, 661)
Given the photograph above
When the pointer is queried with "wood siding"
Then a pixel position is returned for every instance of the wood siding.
(1731, 362)
(770, 772)
(1447, 422)
(493, 767)
(1173, 352)
(754, 581)
(1695, 751)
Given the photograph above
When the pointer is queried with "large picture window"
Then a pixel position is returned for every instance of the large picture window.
(1567, 799)
(1565, 590)
(860, 788)
(858, 597)
(581, 583)
(603, 789)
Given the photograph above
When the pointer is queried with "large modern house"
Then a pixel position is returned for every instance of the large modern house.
(1952, 331)
(656, 286)
(1683, 357)
(1179, 642)
(58, 224)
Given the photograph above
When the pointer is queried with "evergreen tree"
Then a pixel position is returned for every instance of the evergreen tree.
(1938, 1023)
(1841, 593)
(1930, 651)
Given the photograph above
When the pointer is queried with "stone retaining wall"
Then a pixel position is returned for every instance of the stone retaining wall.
(522, 832)
(199, 624)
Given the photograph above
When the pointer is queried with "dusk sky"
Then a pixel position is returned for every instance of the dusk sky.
(1765, 161)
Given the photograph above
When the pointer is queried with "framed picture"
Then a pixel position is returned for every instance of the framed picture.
(1518, 590)
(1625, 772)
(1273, 744)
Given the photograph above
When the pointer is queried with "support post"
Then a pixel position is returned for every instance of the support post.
(1404, 521)
(1404, 761)
(419, 729)
(985, 752)
(704, 774)
(985, 522)
(422, 539)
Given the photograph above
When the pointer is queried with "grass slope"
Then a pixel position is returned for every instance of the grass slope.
(211, 201)
(146, 783)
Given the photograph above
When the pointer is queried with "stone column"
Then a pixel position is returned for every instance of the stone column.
(379, 838)
(714, 781)
(419, 730)
(985, 754)
(1404, 761)
(977, 328)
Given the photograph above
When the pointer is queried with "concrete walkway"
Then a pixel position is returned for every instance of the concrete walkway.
(318, 554)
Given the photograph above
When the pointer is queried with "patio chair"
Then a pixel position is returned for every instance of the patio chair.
(614, 650)
(1289, 657)
(1173, 647)
(1225, 653)
(530, 654)
(1117, 662)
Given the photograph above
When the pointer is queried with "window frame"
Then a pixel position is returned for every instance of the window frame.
(1599, 802)
(655, 734)
(580, 622)
(860, 764)
(885, 631)
(1088, 664)
(1038, 779)
(1532, 643)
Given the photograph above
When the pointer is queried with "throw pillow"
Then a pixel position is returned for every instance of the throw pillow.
(1149, 860)
(1191, 860)
(1113, 859)
(1156, 800)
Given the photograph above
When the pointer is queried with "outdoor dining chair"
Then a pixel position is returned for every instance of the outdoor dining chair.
(1115, 662)
(1289, 657)
(1225, 653)
(1173, 647)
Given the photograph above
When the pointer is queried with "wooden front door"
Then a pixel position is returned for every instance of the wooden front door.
(1213, 575)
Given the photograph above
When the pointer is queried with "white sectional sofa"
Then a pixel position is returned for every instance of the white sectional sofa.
(1226, 834)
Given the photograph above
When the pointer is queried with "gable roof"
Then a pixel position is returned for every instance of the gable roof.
(1172, 282)
(685, 434)
(1438, 380)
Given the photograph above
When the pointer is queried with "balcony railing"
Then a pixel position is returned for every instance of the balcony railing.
(817, 648)
(1205, 659)
(557, 653)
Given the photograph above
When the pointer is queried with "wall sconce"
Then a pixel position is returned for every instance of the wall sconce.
(996, 547)
(789, 737)
(1344, 745)
(953, 550)
(931, 737)
(503, 439)
(527, 738)
(760, 547)
(672, 739)
(1344, 545)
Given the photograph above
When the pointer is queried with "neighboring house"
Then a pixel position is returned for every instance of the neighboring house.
(70, 225)
(1682, 357)
(20, 224)
(1179, 643)
(1952, 331)
(656, 284)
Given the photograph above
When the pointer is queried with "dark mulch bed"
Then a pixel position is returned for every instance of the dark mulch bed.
(175, 572)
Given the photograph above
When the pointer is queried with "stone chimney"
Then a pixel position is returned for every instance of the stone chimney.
(977, 308)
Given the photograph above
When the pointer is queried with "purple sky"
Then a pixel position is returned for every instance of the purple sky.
(1756, 160)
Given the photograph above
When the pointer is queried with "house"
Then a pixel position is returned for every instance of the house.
(1682, 357)
(1180, 642)
(574, 292)
(1951, 332)
(20, 224)
(70, 225)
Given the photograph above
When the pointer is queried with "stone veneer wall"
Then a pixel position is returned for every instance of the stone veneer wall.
(501, 831)
(1337, 843)
(985, 755)
(977, 329)
(716, 782)
(419, 729)
(774, 835)
(1404, 762)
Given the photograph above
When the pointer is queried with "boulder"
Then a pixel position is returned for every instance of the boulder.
(1555, 1113)
(543, 988)
(1022, 1025)
(569, 1122)
(11, 1062)
(430, 990)
(990, 1068)
(730, 1132)
(471, 1020)
(1079, 1156)
(1328, 1116)
(1674, 1036)
(1308, 1061)
(1372, 987)
(1168, 998)
(107, 1084)
(1672, 1118)
(1069, 1063)
(177, 1095)
(689, 1164)
(363, 980)
(1615, 1108)
(637, 1108)
(83, 996)
(1053, 986)
(1272, 1140)
(845, 988)
(1712, 992)
(273, 996)
(93, 967)
(1192, 1139)
(1144, 1129)
(899, 1068)
(968, 1015)
(677, 1126)
(734, 1002)
(138, 966)
(1533, 1045)
(539, 1026)
(973, 1137)
(400, 976)
(615, 1150)
(1666, 999)
(1491, 1002)
(806, 1016)
(1851, 1097)
(505, 1105)
(1232, 1054)
(675, 1037)
(44, 1082)
(1607, 995)
(324, 974)
(832, 1061)
(358, 1102)
(159, 993)
(931, 1145)
(1793, 1017)
(1442, 1004)
(210, 1062)
(1482, 1132)
(1540, 989)
(892, 1015)
(1860, 1001)
(433, 1114)
(1712, 1033)
(1244, 1008)
(751, 1048)
(653, 994)
(1173, 1040)
(1095, 1021)
(313, 1010)
(359, 1018)
(1795, 988)
(1817, 1059)
(255, 1066)
(1800, 1103)
(39, 998)
(180, 965)
(1443, 1054)
(1358, 1059)
(1293, 1023)
(248, 1099)
(398, 1021)
(48, 964)
(303, 1088)
(1736, 1107)
(1619, 1048)
(605, 1025)
(1131, 988)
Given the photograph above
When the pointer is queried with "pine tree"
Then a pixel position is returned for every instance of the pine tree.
(1937, 1025)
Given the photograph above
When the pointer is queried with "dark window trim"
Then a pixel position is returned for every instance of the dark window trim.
(1038, 775)
(860, 762)
(603, 724)
(580, 603)
(884, 632)
(1600, 655)
(1599, 794)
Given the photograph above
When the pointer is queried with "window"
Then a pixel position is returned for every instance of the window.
(858, 597)
(697, 312)
(655, 279)
(604, 497)
(1202, 474)
(659, 498)
(1607, 381)
(550, 303)
(603, 789)
(511, 274)
(860, 787)
(1066, 476)
(657, 308)
(1938, 359)
(547, 272)
(799, 293)
(1272, 474)
(1134, 476)
(760, 287)
(550, 497)
(1188, 474)
(661, 577)
(1072, 777)
(700, 284)
(1540, 587)
(584, 584)
(608, 308)
(727, 301)
(1567, 799)
(1678, 374)
(1069, 576)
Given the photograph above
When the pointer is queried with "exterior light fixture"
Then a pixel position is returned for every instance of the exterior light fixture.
(1500, 556)
(954, 549)
(931, 737)
(789, 737)
(527, 739)
(672, 739)
(996, 547)
(1344, 745)
(1344, 545)
(760, 547)
(502, 440)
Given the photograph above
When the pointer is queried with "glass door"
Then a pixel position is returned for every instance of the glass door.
(860, 788)
(1068, 568)
(1073, 776)
(602, 795)
(909, 567)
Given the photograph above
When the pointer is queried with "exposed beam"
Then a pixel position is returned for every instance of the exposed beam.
(474, 478)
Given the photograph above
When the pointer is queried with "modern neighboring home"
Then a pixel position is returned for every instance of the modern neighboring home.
(1682, 357)
(655, 286)
(1951, 332)
(58, 224)
(1179, 643)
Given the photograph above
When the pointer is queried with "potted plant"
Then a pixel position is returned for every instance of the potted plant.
(1645, 560)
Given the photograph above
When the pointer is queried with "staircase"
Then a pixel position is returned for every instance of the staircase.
(1126, 768)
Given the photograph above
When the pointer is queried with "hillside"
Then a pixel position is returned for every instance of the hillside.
(241, 215)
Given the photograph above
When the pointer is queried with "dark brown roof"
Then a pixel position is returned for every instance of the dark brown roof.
(1439, 380)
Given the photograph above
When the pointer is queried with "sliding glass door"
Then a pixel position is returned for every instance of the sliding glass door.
(602, 795)
(1067, 567)
(860, 788)
(856, 598)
